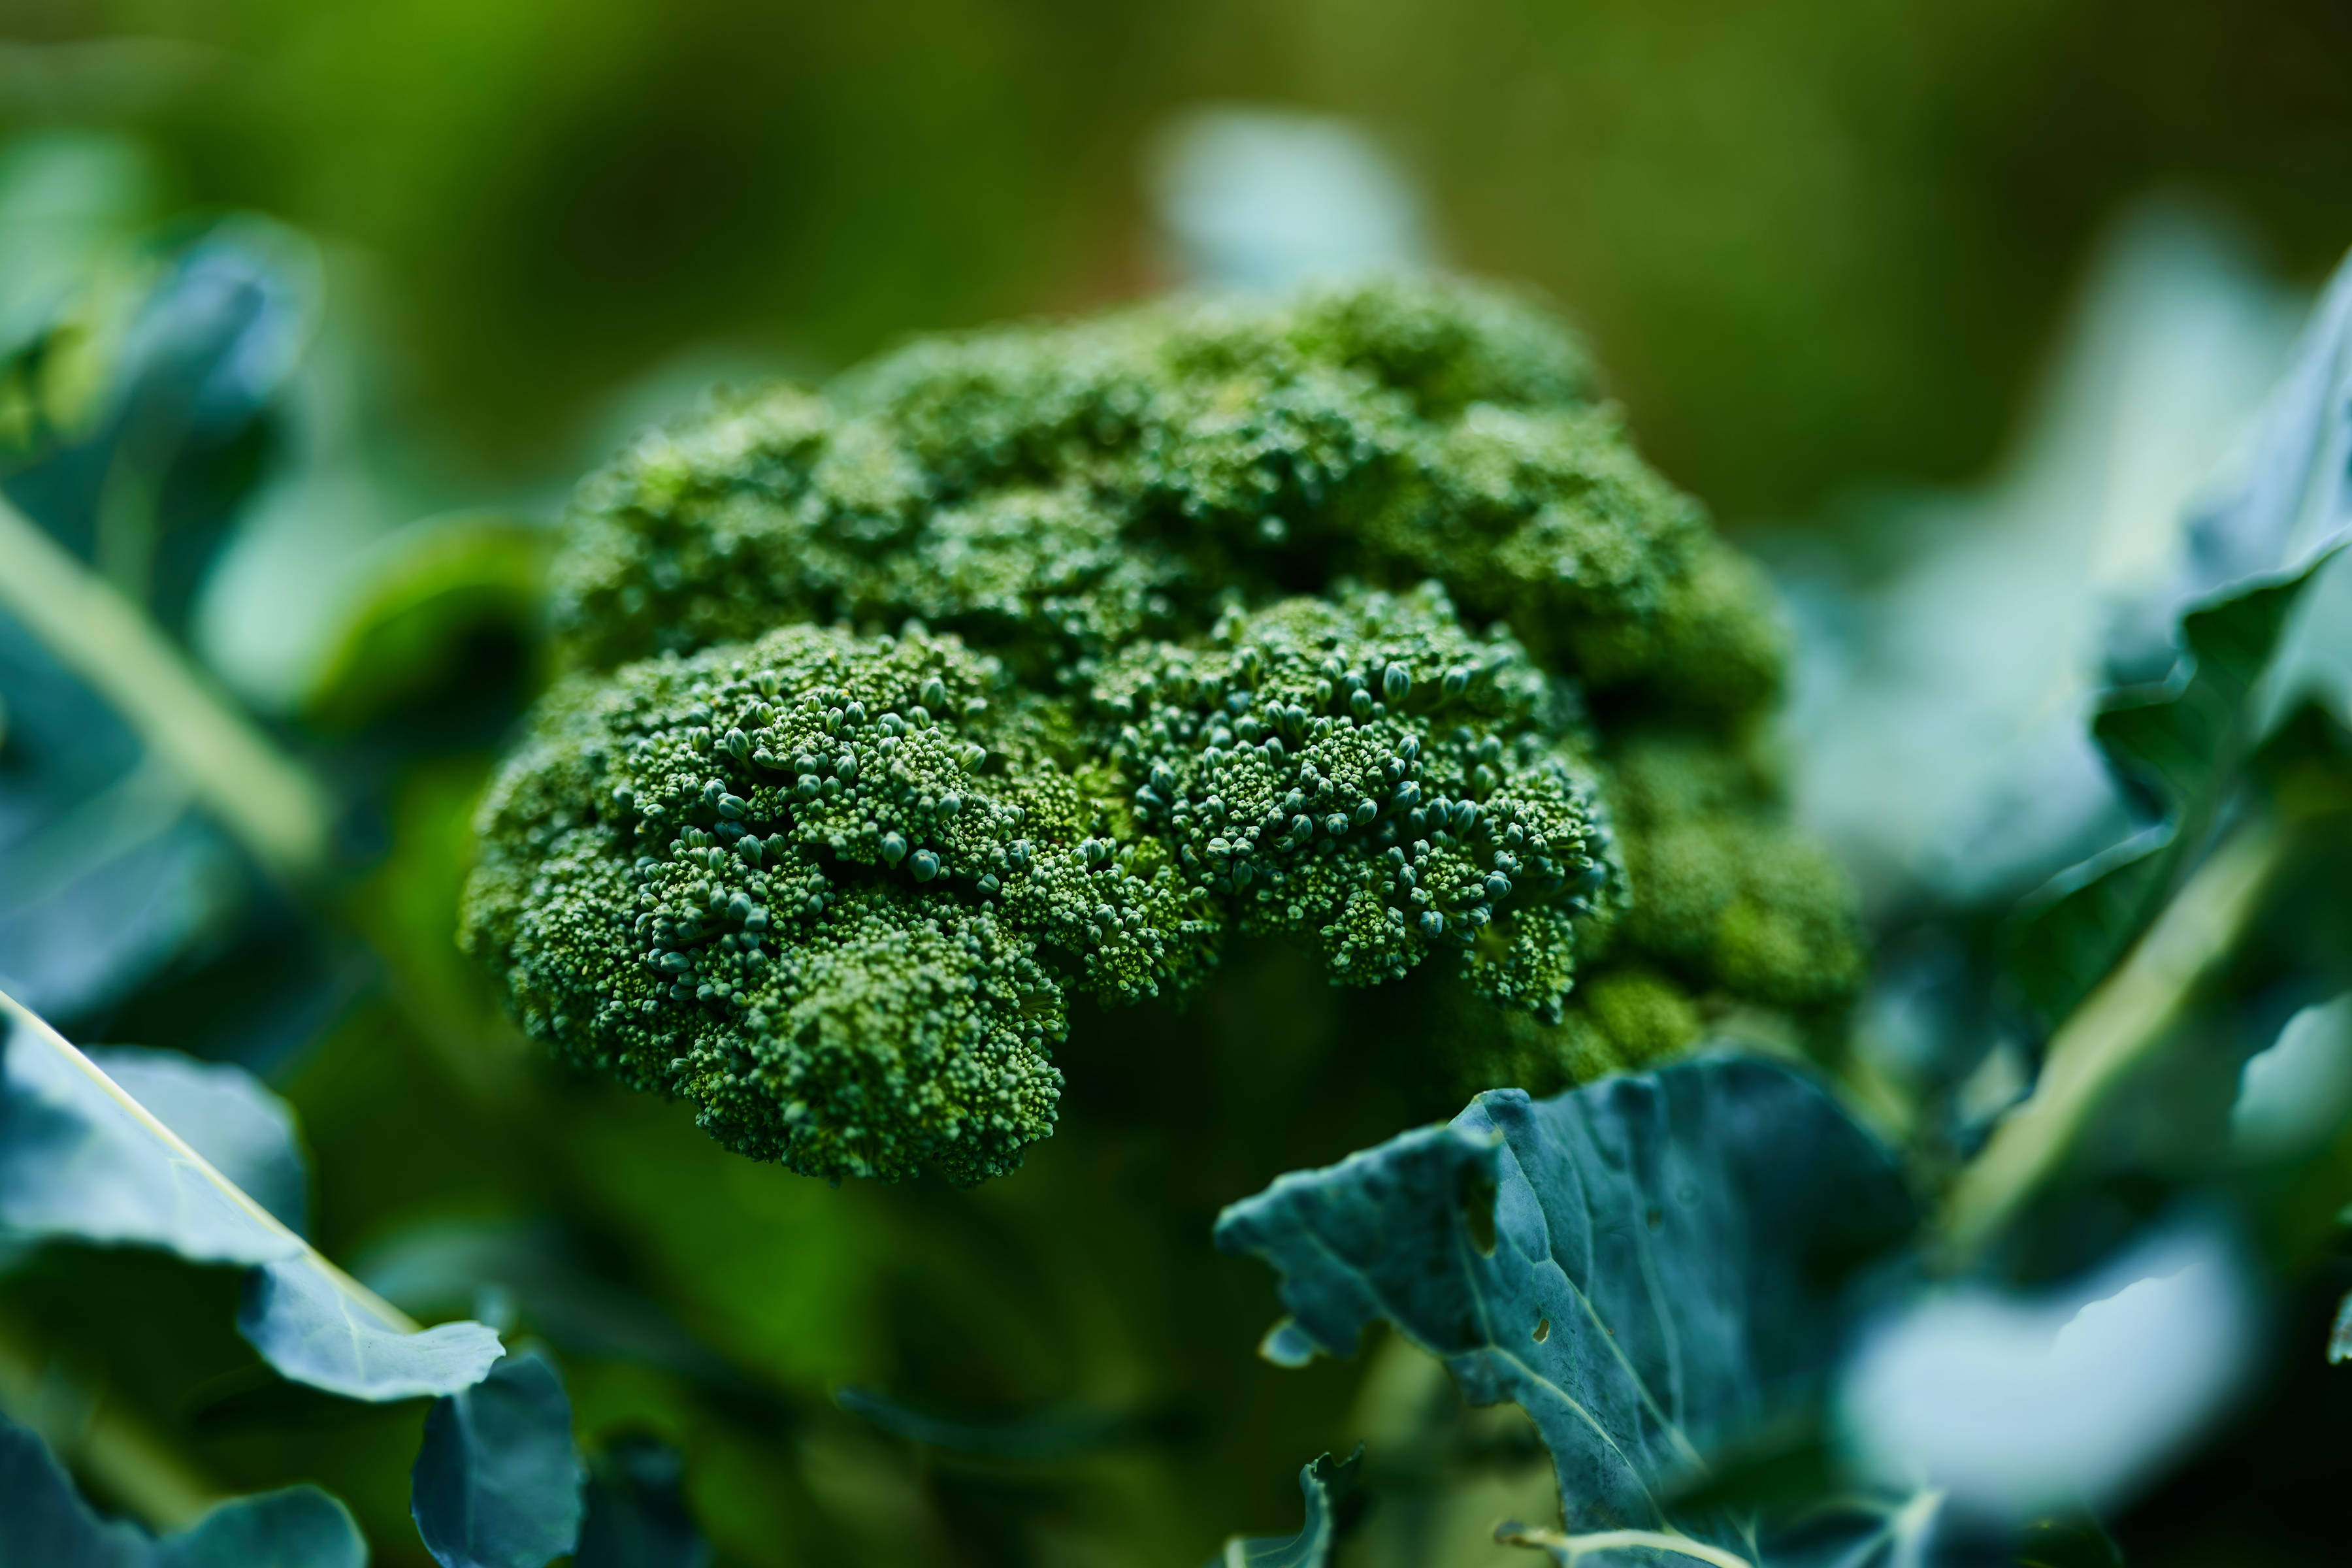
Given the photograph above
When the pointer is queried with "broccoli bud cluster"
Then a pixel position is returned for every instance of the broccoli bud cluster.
(1040, 664)
(1363, 773)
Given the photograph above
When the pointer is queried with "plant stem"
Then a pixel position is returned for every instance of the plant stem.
(30, 1023)
(260, 794)
(111, 1449)
(1566, 1549)
(2116, 1029)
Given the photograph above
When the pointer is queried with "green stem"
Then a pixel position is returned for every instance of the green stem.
(124, 549)
(116, 1452)
(2117, 1027)
(265, 798)
(31, 1024)
(1566, 1549)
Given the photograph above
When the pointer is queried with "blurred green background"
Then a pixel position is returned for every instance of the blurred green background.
(1820, 249)
(1812, 243)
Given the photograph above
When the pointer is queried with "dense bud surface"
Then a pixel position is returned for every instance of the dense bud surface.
(1041, 663)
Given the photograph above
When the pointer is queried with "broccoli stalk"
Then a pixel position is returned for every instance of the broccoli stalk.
(1039, 664)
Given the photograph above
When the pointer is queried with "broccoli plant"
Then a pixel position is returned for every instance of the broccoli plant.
(1045, 662)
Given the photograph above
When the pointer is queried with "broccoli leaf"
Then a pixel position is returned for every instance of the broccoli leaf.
(2290, 496)
(152, 374)
(82, 1157)
(2181, 741)
(145, 485)
(424, 597)
(1327, 1484)
(49, 1526)
(226, 1115)
(75, 1160)
(314, 1333)
(301, 1527)
(499, 1483)
(636, 1515)
(1649, 1266)
(107, 872)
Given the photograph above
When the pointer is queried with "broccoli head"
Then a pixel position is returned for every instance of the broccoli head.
(1040, 663)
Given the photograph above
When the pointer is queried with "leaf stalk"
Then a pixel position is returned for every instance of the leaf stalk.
(2117, 1027)
(272, 806)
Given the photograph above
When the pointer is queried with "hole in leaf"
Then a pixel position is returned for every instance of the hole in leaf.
(1478, 1198)
(1543, 1329)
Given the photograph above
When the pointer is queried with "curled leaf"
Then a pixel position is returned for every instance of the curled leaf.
(1329, 1485)
(316, 1334)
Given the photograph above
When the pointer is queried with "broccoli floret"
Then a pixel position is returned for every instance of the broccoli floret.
(1039, 663)
(1053, 492)
(834, 889)
(1363, 772)
(692, 875)
(1722, 892)
(1621, 1019)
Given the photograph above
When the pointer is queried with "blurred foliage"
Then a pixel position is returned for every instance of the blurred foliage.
(1810, 246)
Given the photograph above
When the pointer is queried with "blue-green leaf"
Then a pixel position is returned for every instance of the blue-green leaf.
(2180, 741)
(45, 1523)
(226, 1115)
(2181, 744)
(48, 1525)
(1327, 1484)
(147, 484)
(2289, 499)
(497, 1483)
(301, 1527)
(637, 1513)
(314, 1333)
(426, 592)
(76, 1161)
(107, 872)
(1650, 1266)
(81, 1157)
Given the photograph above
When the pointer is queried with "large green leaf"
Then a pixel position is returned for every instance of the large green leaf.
(1651, 1265)
(226, 1115)
(2180, 742)
(83, 1158)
